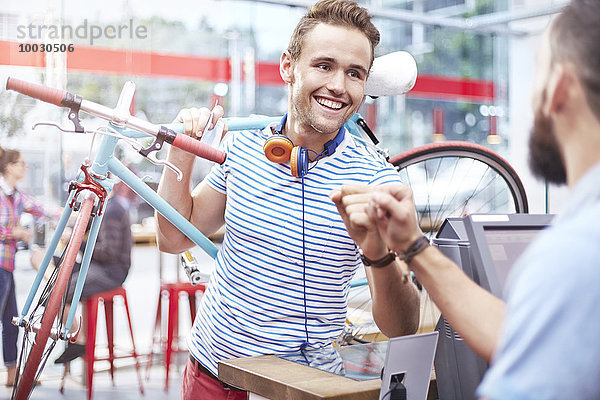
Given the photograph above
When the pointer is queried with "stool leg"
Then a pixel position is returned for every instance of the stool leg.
(175, 340)
(135, 355)
(90, 344)
(192, 301)
(172, 319)
(108, 314)
(157, 325)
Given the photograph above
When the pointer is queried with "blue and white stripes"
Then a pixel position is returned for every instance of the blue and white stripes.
(255, 302)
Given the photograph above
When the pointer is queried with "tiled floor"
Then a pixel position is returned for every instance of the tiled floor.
(125, 387)
(142, 286)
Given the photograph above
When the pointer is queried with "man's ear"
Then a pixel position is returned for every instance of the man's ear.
(286, 67)
(557, 91)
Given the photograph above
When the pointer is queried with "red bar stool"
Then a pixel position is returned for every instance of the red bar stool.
(171, 292)
(90, 308)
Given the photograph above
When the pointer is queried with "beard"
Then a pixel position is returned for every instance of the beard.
(304, 113)
(545, 159)
(308, 116)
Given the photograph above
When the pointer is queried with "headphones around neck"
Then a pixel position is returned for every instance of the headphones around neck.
(280, 149)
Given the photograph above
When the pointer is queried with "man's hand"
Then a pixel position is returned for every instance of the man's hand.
(395, 301)
(197, 120)
(351, 202)
(205, 207)
(392, 208)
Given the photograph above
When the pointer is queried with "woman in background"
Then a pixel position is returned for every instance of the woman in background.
(13, 203)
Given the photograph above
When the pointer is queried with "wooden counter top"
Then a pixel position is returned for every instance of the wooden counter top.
(275, 378)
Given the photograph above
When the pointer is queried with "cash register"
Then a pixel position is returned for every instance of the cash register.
(485, 246)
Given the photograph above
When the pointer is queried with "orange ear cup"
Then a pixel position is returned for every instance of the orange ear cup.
(278, 149)
(294, 161)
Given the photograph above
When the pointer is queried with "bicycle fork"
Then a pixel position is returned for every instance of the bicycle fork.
(77, 189)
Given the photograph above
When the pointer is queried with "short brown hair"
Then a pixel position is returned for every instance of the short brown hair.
(575, 38)
(334, 12)
(7, 157)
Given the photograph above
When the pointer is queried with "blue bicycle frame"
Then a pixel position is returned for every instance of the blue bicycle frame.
(106, 162)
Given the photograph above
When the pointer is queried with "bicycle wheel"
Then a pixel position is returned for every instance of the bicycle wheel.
(459, 178)
(448, 179)
(38, 349)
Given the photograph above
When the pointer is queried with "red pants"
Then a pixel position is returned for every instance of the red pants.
(196, 385)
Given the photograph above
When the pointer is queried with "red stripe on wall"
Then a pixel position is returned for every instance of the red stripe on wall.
(450, 88)
(10, 55)
(268, 74)
(95, 59)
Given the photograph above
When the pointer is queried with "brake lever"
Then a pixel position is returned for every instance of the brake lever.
(55, 125)
(152, 158)
(130, 141)
(147, 153)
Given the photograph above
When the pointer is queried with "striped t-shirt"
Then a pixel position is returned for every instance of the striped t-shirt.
(284, 268)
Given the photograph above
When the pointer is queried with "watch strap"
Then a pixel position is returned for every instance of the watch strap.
(379, 263)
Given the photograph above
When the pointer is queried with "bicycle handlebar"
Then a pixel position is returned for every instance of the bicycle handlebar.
(40, 92)
(63, 98)
(194, 146)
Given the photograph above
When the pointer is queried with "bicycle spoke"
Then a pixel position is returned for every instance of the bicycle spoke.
(488, 187)
(51, 306)
(454, 179)
(450, 180)
(478, 191)
(28, 339)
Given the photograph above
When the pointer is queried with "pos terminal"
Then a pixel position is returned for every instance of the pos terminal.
(485, 246)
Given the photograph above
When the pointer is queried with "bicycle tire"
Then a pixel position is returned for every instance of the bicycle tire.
(30, 372)
(467, 150)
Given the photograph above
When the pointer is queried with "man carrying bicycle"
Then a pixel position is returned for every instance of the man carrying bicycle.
(284, 269)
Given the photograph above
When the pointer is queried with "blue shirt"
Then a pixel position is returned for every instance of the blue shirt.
(285, 265)
(550, 347)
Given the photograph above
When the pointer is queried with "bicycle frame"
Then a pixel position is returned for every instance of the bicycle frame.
(105, 162)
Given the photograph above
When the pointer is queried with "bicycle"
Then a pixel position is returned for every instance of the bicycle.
(88, 195)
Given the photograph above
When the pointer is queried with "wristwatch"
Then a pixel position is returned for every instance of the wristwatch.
(380, 263)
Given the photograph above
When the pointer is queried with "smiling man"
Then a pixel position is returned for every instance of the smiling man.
(282, 275)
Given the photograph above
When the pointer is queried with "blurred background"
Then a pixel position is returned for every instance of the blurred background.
(475, 60)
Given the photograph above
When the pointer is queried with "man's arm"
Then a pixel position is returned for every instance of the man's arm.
(204, 207)
(395, 301)
(473, 312)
